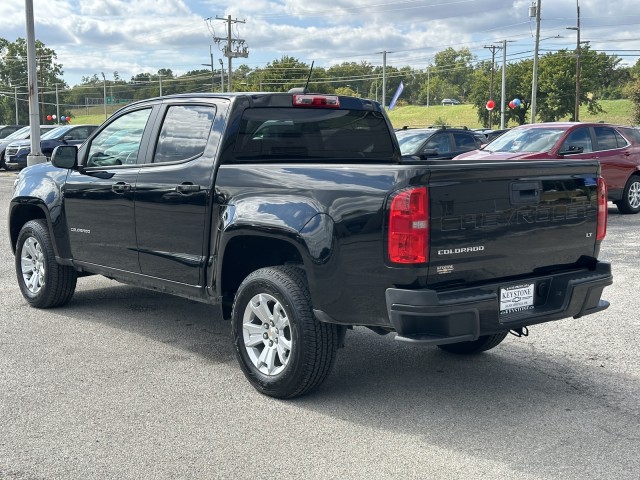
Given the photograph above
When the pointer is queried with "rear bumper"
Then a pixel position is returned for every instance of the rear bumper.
(433, 318)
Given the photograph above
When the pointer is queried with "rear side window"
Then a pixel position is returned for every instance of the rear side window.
(185, 132)
(608, 138)
(631, 133)
(464, 141)
(268, 134)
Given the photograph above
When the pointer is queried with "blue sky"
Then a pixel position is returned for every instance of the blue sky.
(93, 36)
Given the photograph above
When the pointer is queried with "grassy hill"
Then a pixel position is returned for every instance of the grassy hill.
(616, 111)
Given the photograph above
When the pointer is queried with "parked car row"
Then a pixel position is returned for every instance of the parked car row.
(6, 130)
(16, 152)
(616, 147)
(22, 134)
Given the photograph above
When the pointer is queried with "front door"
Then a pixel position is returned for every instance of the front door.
(99, 200)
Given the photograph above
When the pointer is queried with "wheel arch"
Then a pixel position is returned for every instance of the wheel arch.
(247, 251)
(23, 212)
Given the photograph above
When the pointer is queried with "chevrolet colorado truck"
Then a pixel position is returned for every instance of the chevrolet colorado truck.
(296, 216)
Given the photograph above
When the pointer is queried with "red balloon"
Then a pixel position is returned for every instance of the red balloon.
(49, 117)
(491, 105)
(511, 104)
(68, 119)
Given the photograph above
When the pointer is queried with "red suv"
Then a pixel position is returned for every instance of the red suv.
(616, 147)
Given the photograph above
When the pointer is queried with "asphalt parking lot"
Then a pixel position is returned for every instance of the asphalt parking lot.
(124, 383)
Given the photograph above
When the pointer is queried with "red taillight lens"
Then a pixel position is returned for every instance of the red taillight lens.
(321, 101)
(408, 240)
(603, 209)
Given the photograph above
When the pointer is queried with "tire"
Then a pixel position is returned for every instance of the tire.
(283, 350)
(43, 282)
(484, 343)
(630, 201)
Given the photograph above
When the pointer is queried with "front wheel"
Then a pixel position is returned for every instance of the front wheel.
(484, 343)
(43, 282)
(284, 351)
(630, 201)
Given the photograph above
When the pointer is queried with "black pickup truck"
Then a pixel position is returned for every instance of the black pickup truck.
(296, 215)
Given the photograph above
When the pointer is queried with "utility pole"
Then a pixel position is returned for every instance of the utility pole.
(57, 106)
(493, 49)
(234, 48)
(503, 92)
(534, 85)
(578, 52)
(384, 77)
(104, 94)
(428, 83)
(222, 75)
(15, 99)
(160, 79)
(213, 80)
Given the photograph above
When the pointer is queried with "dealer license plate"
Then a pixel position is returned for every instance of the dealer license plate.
(516, 298)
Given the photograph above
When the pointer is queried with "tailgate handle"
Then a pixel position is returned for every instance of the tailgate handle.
(523, 193)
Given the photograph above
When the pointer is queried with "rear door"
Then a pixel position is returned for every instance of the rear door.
(614, 153)
(173, 189)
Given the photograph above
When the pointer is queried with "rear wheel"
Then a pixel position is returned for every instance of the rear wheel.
(43, 282)
(630, 202)
(284, 351)
(484, 343)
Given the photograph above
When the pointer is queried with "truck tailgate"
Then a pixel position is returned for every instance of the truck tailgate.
(503, 220)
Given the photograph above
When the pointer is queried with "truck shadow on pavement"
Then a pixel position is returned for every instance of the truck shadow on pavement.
(519, 397)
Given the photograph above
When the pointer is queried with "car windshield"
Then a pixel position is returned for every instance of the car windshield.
(55, 133)
(536, 139)
(410, 140)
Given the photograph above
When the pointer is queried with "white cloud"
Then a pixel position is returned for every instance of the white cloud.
(91, 36)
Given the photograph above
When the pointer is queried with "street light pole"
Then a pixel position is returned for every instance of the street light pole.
(578, 52)
(34, 112)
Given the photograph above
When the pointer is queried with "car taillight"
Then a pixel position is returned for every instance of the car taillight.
(321, 101)
(408, 240)
(603, 209)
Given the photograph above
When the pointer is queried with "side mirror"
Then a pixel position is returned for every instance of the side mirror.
(65, 156)
(571, 150)
(67, 138)
(429, 152)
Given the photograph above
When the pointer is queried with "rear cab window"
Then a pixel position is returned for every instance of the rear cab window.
(306, 134)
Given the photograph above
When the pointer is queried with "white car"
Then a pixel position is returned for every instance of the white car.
(450, 101)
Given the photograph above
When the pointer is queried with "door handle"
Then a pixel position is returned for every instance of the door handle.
(120, 187)
(187, 188)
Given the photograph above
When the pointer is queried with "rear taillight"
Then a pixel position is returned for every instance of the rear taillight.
(408, 240)
(603, 209)
(320, 101)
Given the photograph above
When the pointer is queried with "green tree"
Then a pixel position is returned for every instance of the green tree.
(14, 73)
(451, 74)
(284, 74)
(632, 90)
